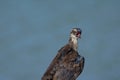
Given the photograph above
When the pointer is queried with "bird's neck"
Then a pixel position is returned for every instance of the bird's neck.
(73, 41)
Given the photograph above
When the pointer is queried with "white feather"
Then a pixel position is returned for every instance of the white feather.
(75, 41)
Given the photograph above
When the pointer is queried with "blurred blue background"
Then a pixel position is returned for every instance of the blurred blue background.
(32, 31)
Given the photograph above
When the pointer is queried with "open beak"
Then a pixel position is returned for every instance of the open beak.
(78, 35)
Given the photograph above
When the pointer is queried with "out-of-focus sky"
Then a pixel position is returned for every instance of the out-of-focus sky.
(32, 31)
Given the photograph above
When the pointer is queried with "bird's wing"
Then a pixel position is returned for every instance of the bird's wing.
(67, 65)
(56, 62)
(72, 66)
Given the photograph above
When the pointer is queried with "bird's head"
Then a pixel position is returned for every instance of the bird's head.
(76, 33)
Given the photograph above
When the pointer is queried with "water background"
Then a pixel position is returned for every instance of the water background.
(32, 31)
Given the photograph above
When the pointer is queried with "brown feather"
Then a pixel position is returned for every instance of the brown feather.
(65, 66)
(68, 64)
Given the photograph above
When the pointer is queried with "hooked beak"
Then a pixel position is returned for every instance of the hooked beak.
(78, 35)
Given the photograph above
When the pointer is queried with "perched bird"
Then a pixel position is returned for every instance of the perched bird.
(68, 64)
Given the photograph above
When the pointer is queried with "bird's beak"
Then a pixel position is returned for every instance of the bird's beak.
(78, 35)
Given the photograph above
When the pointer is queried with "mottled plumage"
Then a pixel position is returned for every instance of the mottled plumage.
(68, 64)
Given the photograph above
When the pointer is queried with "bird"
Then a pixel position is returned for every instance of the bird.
(68, 63)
